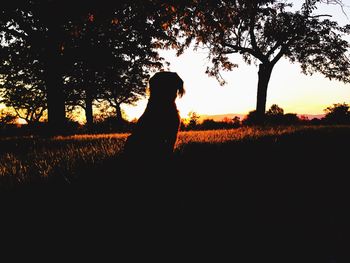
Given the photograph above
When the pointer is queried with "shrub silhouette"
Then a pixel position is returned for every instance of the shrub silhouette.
(193, 120)
(251, 119)
(274, 116)
(337, 114)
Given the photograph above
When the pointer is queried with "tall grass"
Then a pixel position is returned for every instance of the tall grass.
(29, 158)
(223, 136)
(26, 159)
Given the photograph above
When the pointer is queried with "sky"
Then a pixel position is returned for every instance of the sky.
(288, 87)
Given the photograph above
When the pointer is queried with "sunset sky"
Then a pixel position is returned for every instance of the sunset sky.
(288, 87)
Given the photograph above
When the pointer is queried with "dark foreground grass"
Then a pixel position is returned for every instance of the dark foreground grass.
(254, 195)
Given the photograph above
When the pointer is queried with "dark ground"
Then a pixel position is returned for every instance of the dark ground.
(253, 201)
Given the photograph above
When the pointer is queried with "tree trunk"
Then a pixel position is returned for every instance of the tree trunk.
(265, 70)
(119, 115)
(54, 84)
(88, 109)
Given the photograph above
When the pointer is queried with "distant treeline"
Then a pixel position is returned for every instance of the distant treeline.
(337, 114)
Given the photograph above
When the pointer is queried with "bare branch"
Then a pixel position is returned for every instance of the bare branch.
(317, 16)
(336, 2)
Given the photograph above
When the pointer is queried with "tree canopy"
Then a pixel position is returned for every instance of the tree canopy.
(85, 50)
(262, 32)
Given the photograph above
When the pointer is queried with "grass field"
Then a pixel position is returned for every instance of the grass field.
(277, 194)
(31, 158)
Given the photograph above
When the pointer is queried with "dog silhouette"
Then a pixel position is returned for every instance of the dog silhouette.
(155, 133)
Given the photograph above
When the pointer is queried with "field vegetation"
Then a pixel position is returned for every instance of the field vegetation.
(282, 190)
(32, 158)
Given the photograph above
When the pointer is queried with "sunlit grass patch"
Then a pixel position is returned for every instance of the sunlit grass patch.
(39, 158)
(89, 137)
(224, 136)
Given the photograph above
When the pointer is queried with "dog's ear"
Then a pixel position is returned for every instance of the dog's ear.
(180, 86)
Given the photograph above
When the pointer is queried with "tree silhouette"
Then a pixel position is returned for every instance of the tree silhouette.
(261, 32)
(38, 25)
(193, 120)
(89, 44)
(111, 56)
(275, 110)
(275, 115)
(29, 102)
(22, 87)
(338, 113)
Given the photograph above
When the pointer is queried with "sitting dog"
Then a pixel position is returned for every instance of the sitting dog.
(155, 133)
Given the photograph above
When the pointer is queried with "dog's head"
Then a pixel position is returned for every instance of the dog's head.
(166, 85)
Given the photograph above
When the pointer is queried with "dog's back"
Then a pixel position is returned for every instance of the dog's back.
(154, 135)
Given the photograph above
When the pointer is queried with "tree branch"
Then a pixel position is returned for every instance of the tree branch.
(259, 55)
(257, 51)
(317, 16)
(336, 2)
(236, 49)
(273, 49)
(279, 55)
